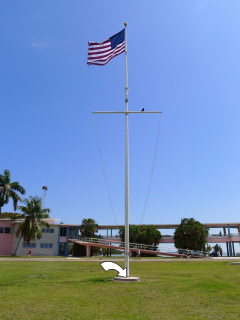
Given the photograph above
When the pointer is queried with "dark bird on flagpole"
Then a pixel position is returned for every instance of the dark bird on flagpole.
(142, 109)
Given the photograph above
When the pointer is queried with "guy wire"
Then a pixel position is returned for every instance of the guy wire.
(152, 171)
(105, 177)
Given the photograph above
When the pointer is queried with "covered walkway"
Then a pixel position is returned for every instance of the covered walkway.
(225, 236)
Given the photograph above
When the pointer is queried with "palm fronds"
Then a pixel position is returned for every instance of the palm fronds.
(34, 218)
(8, 188)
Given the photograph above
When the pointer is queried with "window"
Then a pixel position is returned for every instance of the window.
(72, 231)
(46, 245)
(63, 231)
(5, 230)
(30, 245)
(47, 230)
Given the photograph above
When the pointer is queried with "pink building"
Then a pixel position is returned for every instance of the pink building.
(6, 236)
(54, 240)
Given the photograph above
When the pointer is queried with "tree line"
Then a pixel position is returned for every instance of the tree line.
(190, 234)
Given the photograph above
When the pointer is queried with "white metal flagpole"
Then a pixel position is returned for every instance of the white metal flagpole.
(126, 112)
(126, 162)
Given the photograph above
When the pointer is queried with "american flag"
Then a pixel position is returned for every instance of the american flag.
(101, 53)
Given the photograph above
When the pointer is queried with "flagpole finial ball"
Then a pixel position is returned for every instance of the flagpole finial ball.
(125, 23)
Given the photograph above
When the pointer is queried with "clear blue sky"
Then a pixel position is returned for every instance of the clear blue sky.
(183, 59)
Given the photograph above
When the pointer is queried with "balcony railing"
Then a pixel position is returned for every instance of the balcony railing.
(211, 236)
(224, 236)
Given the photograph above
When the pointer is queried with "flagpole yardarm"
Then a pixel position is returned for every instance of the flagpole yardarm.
(124, 112)
(126, 163)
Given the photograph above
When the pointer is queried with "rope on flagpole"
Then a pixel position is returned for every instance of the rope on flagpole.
(104, 173)
(150, 182)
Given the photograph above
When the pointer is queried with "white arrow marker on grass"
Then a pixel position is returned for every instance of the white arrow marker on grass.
(114, 266)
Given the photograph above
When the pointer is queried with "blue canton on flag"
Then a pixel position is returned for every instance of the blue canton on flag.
(100, 53)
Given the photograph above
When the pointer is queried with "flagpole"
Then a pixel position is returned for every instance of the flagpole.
(126, 162)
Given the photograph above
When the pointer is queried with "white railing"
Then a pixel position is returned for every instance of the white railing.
(235, 235)
(91, 240)
(120, 243)
(193, 253)
(137, 246)
(211, 236)
(224, 236)
(167, 236)
(110, 237)
(140, 247)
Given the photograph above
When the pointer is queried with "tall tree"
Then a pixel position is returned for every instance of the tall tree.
(33, 217)
(190, 234)
(8, 190)
(88, 228)
(142, 234)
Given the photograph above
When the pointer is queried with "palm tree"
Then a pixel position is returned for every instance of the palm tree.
(33, 216)
(88, 228)
(8, 188)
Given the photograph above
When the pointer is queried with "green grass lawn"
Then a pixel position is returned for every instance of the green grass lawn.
(83, 290)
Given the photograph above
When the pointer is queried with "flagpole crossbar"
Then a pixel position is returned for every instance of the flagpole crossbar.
(126, 112)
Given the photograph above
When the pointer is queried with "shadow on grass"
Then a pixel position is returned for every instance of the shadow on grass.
(30, 283)
(92, 280)
(102, 280)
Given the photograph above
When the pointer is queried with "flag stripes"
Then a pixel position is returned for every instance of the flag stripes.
(101, 53)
